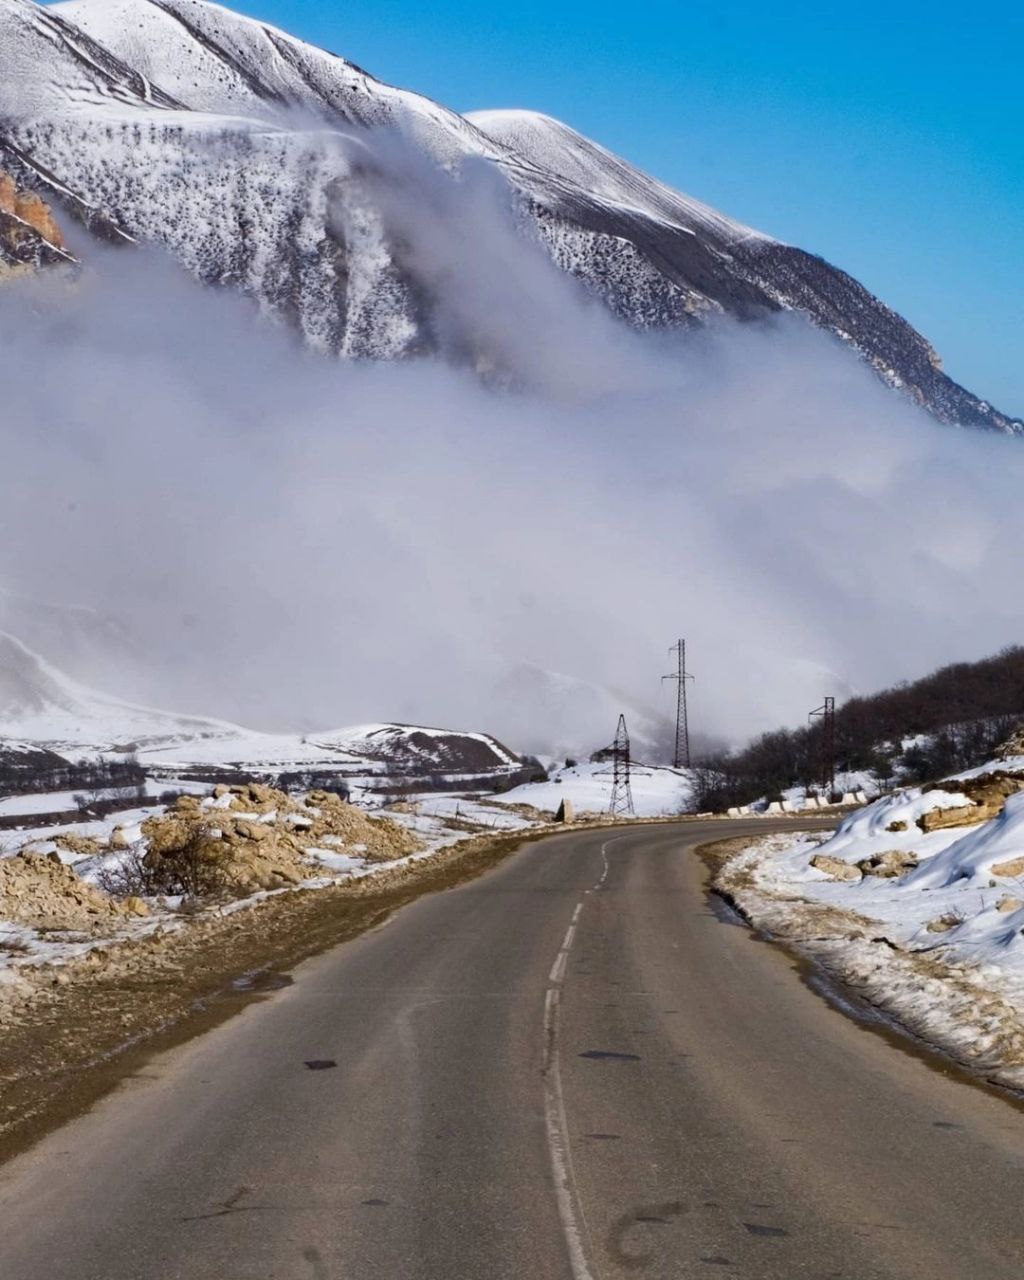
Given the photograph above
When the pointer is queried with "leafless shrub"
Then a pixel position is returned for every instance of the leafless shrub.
(129, 877)
(192, 864)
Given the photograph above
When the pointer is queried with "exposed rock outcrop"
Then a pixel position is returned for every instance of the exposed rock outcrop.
(30, 236)
(29, 208)
(987, 795)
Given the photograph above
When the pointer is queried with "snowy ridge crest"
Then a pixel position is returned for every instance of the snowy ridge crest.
(238, 148)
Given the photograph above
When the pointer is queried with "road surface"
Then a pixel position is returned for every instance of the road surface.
(569, 1069)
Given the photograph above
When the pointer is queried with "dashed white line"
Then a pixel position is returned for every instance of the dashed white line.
(558, 1145)
(604, 859)
(570, 1211)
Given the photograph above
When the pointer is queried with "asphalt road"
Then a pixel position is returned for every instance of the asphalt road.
(569, 1069)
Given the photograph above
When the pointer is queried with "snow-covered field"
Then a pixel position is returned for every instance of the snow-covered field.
(658, 791)
(917, 900)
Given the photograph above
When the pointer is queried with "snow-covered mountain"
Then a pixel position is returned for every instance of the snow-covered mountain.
(40, 705)
(418, 748)
(268, 164)
(44, 710)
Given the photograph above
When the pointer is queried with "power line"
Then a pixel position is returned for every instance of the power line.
(681, 758)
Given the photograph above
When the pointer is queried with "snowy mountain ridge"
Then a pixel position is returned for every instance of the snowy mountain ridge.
(39, 704)
(247, 153)
(42, 708)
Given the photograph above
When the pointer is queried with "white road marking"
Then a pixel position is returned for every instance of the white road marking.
(604, 859)
(569, 1210)
(574, 1222)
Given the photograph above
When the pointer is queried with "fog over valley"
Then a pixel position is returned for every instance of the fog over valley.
(294, 542)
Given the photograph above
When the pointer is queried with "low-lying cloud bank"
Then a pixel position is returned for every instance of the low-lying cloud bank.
(294, 542)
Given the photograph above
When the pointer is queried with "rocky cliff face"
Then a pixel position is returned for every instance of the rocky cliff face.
(29, 234)
(268, 165)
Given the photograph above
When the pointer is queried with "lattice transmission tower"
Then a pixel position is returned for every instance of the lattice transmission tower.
(621, 802)
(681, 758)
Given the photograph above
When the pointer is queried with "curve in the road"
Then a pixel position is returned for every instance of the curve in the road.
(569, 1069)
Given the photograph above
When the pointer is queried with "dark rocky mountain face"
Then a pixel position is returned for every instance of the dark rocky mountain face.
(263, 163)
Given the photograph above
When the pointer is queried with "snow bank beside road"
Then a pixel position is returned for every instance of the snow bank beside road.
(925, 920)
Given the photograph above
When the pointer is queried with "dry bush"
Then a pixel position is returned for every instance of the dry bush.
(193, 865)
(128, 877)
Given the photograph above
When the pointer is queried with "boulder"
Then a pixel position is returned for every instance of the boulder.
(964, 815)
(565, 813)
(943, 924)
(258, 831)
(835, 867)
(1011, 870)
(890, 864)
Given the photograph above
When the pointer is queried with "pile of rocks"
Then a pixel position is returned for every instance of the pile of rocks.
(38, 890)
(259, 838)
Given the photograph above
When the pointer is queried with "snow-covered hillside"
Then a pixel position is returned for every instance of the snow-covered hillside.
(360, 752)
(41, 705)
(266, 163)
(399, 746)
(43, 711)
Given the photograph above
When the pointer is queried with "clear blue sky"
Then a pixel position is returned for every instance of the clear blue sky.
(888, 137)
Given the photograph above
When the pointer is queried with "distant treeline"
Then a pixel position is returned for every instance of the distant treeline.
(39, 770)
(962, 712)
